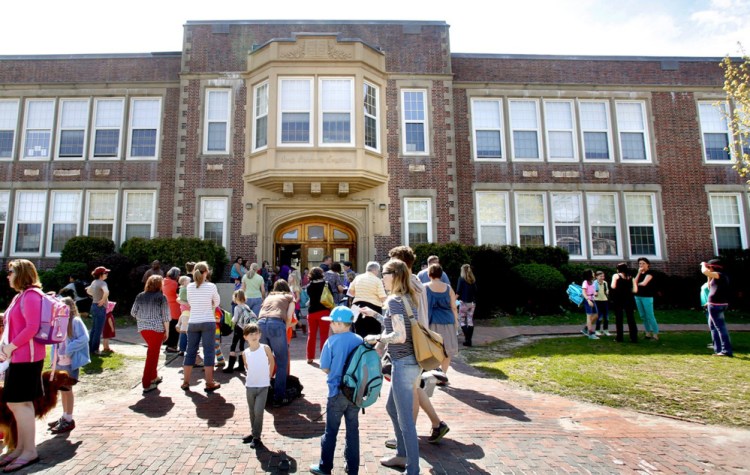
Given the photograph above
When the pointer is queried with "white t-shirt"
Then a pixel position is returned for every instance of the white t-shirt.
(257, 368)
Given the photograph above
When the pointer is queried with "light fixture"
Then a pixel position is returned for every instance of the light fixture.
(248, 206)
(382, 206)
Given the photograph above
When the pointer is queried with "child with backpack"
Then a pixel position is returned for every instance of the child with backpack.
(602, 304)
(71, 355)
(589, 306)
(333, 358)
(241, 317)
(259, 361)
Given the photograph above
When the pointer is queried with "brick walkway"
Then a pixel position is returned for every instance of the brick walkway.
(495, 428)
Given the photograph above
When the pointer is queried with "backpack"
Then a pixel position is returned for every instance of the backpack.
(575, 293)
(304, 298)
(53, 326)
(363, 376)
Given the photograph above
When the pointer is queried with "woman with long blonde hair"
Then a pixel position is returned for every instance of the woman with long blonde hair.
(466, 290)
(203, 298)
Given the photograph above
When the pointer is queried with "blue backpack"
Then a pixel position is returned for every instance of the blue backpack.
(363, 376)
(575, 293)
(304, 298)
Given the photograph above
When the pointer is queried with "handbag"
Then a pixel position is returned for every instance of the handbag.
(326, 297)
(428, 345)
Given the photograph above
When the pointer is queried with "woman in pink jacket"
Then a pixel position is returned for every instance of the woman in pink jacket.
(23, 378)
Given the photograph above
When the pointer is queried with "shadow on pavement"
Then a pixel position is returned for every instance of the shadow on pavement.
(214, 409)
(54, 451)
(153, 405)
(299, 420)
(461, 456)
(486, 403)
(275, 462)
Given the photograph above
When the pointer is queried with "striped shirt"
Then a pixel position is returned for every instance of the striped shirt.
(151, 311)
(395, 306)
(203, 301)
(368, 288)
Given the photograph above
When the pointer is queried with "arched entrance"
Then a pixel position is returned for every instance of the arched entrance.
(304, 243)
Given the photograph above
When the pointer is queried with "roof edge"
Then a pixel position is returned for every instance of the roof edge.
(590, 57)
(90, 56)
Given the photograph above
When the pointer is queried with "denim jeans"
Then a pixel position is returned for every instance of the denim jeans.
(645, 307)
(602, 308)
(182, 345)
(254, 305)
(200, 334)
(404, 375)
(718, 326)
(339, 407)
(98, 314)
(273, 334)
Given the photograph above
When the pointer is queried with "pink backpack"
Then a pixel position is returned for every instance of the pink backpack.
(53, 326)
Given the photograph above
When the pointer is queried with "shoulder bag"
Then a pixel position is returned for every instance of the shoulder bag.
(326, 297)
(428, 345)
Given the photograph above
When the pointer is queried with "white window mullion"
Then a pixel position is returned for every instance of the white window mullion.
(418, 220)
(71, 129)
(414, 125)
(715, 132)
(643, 232)
(101, 212)
(531, 219)
(260, 117)
(37, 141)
(372, 116)
(728, 220)
(295, 112)
(143, 133)
(28, 229)
(633, 130)
(492, 218)
(64, 218)
(8, 125)
(603, 221)
(216, 129)
(213, 220)
(487, 128)
(596, 130)
(107, 128)
(524, 124)
(560, 130)
(139, 212)
(336, 112)
(567, 229)
(4, 204)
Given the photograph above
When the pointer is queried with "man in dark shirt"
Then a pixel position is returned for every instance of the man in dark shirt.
(718, 301)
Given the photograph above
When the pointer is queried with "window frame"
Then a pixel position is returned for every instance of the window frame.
(14, 142)
(571, 131)
(322, 111)
(87, 222)
(645, 132)
(545, 213)
(129, 154)
(51, 130)
(655, 224)
(207, 121)
(202, 218)
(17, 222)
(95, 128)
(366, 115)
(425, 122)
(4, 222)
(616, 225)
(257, 90)
(52, 222)
(60, 129)
(538, 130)
(501, 130)
(124, 219)
(507, 224)
(607, 130)
(280, 119)
(408, 220)
(581, 224)
(742, 225)
(727, 133)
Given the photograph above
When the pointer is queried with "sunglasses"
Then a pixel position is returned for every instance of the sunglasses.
(387, 272)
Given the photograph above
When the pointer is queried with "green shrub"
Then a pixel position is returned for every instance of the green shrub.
(452, 256)
(122, 282)
(540, 288)
(89, 250)
(573, 272)
(57, 277)
(175, 252)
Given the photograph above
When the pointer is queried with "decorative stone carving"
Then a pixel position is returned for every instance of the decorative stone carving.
(288, 188)
(343, 189)
(76, 172)
(601, 174)
(215, 167)
(31, 172)
(102, 172)
(566, 174)
(317, 49)
(530, 174)
(315, 188)
(416, 168)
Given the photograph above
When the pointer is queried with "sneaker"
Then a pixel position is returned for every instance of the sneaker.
(593, 336)
(151, 387)
(395, 461)
(247, 439)
(64, 426)
(391, 444)
(438, 433)
(585, 331)
(181, 353)
(606, 333)
(255, 443)
(55, 423)
(317, 471)
(437, 374)
(598, 333)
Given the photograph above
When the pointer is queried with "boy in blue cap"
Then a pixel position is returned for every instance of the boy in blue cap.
(332, 360)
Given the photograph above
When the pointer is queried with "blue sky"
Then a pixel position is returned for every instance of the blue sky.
(564, 27)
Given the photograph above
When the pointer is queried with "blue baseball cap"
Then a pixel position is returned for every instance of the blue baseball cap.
(340, 314)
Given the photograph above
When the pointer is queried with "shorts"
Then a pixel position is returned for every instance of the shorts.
(23, 382)
(589, 309)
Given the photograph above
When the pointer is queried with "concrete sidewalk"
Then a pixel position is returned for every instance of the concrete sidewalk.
(495, 428)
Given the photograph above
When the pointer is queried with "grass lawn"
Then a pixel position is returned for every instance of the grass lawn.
(578, 318)
(676, 376)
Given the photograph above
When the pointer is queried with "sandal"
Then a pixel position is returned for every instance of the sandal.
(7, 460)
(18, 464)
(212, 387)
(185, 386)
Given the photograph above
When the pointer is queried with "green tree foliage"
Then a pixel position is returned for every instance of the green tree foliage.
(89, 250)
(737, 88)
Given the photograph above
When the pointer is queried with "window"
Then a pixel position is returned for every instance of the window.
(566, 216)
(414, 107)
(336, 109)
(214, 220)
(728, 222)
(145, 115)
(108, 115)
(641, 217)
(595, 130)
(296, 111)
(602, 214)
(216, 132)
(260, 134)
(487, 125)
(524, 125)
(8, 122)
(716, 137)
(631, 122)
(492, 217)
(372, 107)
(138, 214)
(530, 217)
(38, 138)
(418, 217)
(4, 201)
(64, 216)
(29, 222)
(558, 118)
(101, 209)
(74, 117)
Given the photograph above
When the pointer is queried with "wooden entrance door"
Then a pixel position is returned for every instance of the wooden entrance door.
(314, 239)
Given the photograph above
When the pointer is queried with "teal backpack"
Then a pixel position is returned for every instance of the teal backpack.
(575, 293)
(363, 376)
